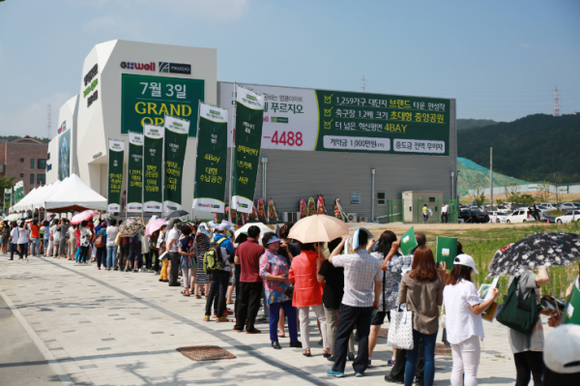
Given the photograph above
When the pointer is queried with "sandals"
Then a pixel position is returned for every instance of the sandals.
(307, 353)
(326, 353)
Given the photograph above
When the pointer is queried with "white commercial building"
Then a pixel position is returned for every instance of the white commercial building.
(364, 148)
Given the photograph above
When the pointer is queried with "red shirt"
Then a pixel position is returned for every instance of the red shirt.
(34, 231)
(249, 253)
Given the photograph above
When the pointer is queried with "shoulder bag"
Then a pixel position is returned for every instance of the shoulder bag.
(401, 329)
(519, 314)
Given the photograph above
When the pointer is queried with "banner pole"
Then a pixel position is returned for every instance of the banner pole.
(163, 171)
(232, 151)
(199, 102)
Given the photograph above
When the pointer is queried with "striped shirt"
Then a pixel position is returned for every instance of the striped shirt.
(361, 270)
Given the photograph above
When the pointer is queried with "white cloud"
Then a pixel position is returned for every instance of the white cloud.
(32, 120)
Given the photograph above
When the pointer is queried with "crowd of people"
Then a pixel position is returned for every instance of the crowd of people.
(349, 288)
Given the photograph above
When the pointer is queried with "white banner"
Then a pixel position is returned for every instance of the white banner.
(177, 125)
(290, 116)
(213, 113)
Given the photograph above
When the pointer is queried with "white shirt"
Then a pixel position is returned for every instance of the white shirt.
(23, 236)
(14, 233)
(173, 235)
(111, 235)
(444, 209)
(461, 323)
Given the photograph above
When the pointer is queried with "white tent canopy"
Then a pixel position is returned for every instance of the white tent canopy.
(21, 206)
(46, 193)
(73, 195)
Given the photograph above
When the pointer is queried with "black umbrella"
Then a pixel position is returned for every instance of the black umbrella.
(177, 214)
(540, 250)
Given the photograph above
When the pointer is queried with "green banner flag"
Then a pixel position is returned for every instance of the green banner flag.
(211, 159)
(446, 250)
(152, 164)
(116, 160)
(18, 191)
(176, 132)
(248, 140)
(571, 315)
(135, 173)
(408, 241)
(7, 199)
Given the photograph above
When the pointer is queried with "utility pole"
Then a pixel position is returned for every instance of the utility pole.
(491, 178)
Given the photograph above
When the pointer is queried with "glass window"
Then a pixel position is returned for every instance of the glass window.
(41, 164)
(41, 179)
(21, 174)
(381, 198)
(32, 163)
(21, 159)
(32, 178)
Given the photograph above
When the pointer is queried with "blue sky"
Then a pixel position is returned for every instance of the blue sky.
(499, 59)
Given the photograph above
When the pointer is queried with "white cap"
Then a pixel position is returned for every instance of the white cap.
(225, 225)
(466, 260)
(562, 349)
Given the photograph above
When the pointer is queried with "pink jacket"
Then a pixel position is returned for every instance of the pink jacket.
(307, 290)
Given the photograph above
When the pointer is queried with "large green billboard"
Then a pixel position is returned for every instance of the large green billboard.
(321, 120)
(146, 100)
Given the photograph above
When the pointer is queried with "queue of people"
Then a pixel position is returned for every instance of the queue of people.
(347, 292)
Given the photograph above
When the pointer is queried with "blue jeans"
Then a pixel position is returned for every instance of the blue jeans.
(112, 257)
(77, 254)
(13, 248)
(428, 352)
(35, 250)
(290, 313)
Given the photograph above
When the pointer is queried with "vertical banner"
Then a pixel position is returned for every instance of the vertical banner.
(211, 159)
(7, 199)
(152, 164)
(176, 133)
(248, 139)
(135, 173)
(18, 191)
(116, 159)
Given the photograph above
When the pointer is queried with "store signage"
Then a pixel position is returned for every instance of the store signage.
(62, 127)
(175, 68)
(92, 98)
(98, 155)
(138, 66)
(321, 120)
(146, 100)
(91, 74)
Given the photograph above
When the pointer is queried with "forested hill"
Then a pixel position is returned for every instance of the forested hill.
(532, 148)
(463, 124)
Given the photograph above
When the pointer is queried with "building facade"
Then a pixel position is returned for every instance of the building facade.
(24, 159)
(363, 148)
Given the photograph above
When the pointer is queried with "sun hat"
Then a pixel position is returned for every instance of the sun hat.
(562, 349)
(466, 260)
(274, 239)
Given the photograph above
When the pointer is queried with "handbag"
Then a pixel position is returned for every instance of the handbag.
(401, 329)
(100, 241)
(289, 291)
(519, 314)
(442, 319)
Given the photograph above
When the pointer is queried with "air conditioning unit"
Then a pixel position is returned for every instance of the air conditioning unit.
(291, 216)
(363, 219)
(351, 217)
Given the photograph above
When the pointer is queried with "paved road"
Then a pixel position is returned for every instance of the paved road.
(113, 328)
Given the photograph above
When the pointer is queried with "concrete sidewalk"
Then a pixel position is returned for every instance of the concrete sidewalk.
(116, 328)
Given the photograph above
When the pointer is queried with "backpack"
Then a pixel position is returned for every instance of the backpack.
(519, 314)
(212, 258)
(100, 241)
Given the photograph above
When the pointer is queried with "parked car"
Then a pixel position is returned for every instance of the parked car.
(547, 218)
(551, 205)
(543, 208)
(573, 215)
(473, 216)
(568, 206)
(503, 208)
(520, 215)
(497, 216)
